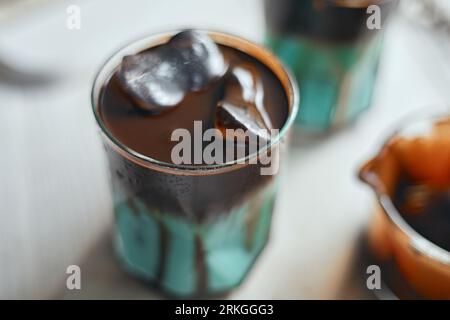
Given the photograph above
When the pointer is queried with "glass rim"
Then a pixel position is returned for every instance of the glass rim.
(260, 53)
(420, 243)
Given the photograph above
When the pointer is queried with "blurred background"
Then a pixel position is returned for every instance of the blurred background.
(55, 207)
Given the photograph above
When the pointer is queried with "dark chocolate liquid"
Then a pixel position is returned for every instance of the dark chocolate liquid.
(150, 134)
(426, 210)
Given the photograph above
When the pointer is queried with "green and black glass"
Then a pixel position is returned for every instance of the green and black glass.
(192, 230)
(333, 53)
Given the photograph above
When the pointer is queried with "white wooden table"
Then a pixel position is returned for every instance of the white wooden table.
(55, 207)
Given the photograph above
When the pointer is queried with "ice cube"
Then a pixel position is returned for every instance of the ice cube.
(155, 80)
(243, 87)
(202, 59)
(232, 116)
(159, 79)
(242, 106)
(241, 84)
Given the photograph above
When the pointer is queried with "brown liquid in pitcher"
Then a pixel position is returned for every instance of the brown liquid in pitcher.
(418, 181)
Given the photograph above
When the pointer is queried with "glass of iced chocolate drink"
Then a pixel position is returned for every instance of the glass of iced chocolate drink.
(194, 124)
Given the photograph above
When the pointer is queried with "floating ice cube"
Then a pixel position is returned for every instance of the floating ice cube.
(201, 57)
(242, 106)
(243, 87)
(160, 78)
(230, 116)
(155, 80)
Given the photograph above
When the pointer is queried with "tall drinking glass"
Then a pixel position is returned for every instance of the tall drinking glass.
(192, 230)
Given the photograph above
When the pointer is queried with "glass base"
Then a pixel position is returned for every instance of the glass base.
(187, 259)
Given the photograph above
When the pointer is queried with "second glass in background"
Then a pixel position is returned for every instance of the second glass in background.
(332, 52)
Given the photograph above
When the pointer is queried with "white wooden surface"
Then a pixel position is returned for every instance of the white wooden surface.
(55, 208)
